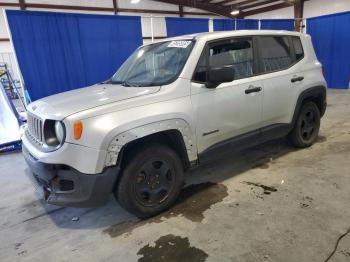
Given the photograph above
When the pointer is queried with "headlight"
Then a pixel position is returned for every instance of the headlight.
(59, 130)
(54, 133)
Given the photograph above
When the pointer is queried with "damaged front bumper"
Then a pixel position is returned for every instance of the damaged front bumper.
(64, 186)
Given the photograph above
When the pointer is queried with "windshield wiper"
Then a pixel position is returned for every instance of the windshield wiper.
(124, 83)
(127, 84)
(109, 81)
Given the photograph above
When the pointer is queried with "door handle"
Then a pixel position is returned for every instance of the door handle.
(253, 89)
(297, 79)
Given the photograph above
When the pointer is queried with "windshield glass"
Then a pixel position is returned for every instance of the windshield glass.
(155, 64)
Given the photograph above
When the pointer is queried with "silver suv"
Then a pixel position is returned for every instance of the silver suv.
(170, 106)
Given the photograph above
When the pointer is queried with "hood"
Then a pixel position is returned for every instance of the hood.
(60, 106)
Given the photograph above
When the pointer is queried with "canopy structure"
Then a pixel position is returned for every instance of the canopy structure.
(9, 124)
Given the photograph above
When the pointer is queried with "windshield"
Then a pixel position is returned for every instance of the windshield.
(155, 64)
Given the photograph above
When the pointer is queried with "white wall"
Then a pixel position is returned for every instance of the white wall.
(276, 14)
(311, 8)
(324, 7)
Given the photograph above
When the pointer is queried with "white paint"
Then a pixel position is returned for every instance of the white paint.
(182, 105)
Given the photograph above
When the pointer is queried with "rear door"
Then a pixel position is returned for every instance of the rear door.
(277, 73)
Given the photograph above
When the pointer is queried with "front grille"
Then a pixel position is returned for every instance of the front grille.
(35, 128)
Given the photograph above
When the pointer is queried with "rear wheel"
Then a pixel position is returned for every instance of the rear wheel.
(307, 126)
(151, 181)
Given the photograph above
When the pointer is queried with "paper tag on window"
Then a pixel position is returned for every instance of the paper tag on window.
(179, 44)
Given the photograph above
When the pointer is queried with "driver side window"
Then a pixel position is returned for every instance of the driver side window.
(237, 53)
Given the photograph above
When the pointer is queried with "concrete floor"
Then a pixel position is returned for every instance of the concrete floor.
(269, 203)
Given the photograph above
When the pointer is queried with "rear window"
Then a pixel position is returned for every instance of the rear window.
(298, 48)
(275, 53)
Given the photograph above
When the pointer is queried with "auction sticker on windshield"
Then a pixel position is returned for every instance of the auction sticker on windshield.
(179, 44)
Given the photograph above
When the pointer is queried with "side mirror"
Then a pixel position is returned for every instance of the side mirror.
(218, 75)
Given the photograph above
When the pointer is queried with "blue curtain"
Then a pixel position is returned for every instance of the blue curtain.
(247, 24)
(277, 24)
(58, 52)
(224, 24)
(331, 39)
(183, 26)
(229, 24)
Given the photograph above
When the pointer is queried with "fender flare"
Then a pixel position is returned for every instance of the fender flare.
(120, 140)
(312, 92)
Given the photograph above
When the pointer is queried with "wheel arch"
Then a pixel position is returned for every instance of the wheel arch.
(317, 94)
(175, 133)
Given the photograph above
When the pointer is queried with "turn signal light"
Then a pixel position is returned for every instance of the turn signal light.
(78, 130)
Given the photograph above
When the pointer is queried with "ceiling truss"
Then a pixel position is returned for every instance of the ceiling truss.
(225, 7)
(215, 7)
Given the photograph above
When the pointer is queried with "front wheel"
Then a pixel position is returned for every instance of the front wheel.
(306, 127)
(151, 181)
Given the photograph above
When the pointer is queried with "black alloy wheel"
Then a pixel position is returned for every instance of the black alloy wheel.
(154, 182)
(150, 181)
(307, 126)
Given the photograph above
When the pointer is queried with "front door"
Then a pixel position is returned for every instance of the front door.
(230, 109)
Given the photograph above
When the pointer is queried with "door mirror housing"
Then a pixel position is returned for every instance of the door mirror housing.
(218, 75)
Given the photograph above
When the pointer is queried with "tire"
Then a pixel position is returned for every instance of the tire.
(306, 127)
(151, 181)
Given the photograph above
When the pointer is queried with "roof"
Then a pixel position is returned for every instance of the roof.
(222, 34)
(208, 36)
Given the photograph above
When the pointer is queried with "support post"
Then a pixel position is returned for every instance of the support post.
(22, 4)
(152, 30)
(181, 10)
(298, 15)
(115, 6)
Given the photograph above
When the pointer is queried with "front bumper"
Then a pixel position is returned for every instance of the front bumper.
(64, 186)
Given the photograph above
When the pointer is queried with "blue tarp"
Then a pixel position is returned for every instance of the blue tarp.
(331, 39)
(58, 52)
(176, 26)
(252, 24)
(235, 24)
(224, 24)
(277, 24)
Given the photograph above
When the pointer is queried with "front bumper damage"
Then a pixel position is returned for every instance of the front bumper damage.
(64, 186)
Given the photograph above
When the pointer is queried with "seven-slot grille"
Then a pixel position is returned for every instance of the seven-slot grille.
(35, 128)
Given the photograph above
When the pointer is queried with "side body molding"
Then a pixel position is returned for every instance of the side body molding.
(122, 139)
